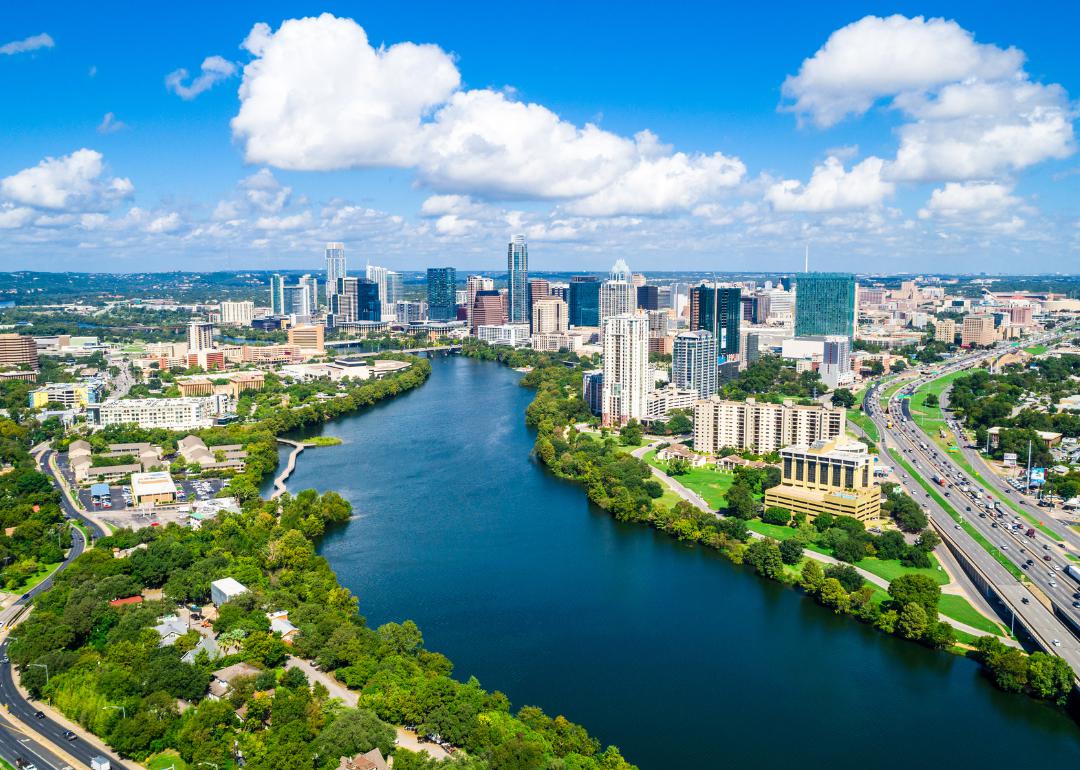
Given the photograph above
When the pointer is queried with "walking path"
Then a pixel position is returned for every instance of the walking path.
(696, 500)
(290, 466)
(405, 738)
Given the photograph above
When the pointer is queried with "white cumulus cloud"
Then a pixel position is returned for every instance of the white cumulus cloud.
(956, 199)
(71, 182)
(110, 124)
(214, 70)
(832, 188)
(32, 43)
(319, 96)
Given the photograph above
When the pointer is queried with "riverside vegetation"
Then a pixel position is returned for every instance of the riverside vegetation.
(107, 671)
(624, 486)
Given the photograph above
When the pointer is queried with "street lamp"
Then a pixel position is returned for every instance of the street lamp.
(121, 709)
(44, 666)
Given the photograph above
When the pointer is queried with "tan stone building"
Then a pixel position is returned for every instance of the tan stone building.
(827, 476)
(762, 427)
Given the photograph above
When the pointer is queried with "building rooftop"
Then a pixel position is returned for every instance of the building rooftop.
(152, 483)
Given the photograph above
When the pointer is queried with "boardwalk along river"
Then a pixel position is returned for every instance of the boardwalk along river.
(670, 652)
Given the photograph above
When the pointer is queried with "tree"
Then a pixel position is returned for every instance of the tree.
(678, 466)
(848, 576)
(913, 621)
(740, 502)
(679, 422)
(843, 397)
(353, 732)
(833, 595)
(776, 515)
(1050, 677)
(928, 540)
(791, 551)
(917, 589)
(812, 577)
(764, 556)
(631, 433)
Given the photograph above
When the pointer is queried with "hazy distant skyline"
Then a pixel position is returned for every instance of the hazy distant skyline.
(227, 137)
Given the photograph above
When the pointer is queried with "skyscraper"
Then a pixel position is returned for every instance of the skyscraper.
(200, 336)
(648, 297)
(441, 297)
(487, 309)
(517, 280)
(825, 304)
(539, 288)
(297, 302)
(583, 297)
(693, 362)
(474, 284)
(344, 302)
(549, 316)
(277, 294)
(368, 300)
(617, 294)
(311, 283)
(626, 368)
(335, 267)
(389, 284)
(717, 309)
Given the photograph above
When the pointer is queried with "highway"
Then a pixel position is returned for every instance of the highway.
(996, 527)
(38, 746)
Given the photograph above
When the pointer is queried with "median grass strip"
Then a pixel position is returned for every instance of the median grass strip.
(1037, 350)
(864, 423)
(960, 609)
(975, 534)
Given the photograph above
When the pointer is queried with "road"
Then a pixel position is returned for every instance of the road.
(40, 741)
(1050, 632)
(44, 458)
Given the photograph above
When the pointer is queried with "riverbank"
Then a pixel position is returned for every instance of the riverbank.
(619, 485)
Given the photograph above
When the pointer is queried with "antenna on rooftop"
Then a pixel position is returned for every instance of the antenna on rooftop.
(806, 260)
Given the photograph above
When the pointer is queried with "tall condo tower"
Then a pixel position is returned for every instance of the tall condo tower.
(335, 267)
(517, 280)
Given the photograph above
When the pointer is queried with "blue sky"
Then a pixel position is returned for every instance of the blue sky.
(906, 144)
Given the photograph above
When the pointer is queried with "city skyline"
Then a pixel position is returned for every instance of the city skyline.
(953, 143)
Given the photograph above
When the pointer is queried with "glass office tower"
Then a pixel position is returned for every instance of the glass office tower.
(583, 297)
(825, 304)
(441, 297)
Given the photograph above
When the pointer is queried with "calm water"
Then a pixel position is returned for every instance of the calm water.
(670, 652)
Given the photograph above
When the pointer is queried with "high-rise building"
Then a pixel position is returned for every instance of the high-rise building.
(277, 294)
(825, 304)
(488, 309)
(311, 283)
(549, 316)
(407, 312)
(368, 301)
(618, 296)
(390, 291)
(200, 336)
(945, 331)
(517, 280)
(297, 302)
(583, 297)
(978, 330)
(648, 297)
(762, 427)
(335, 267)
(835, 369)
(693, 362)
(307, 337)
(717, 309)
(237, 313)
(18, 350)
(345, 301)
(473, 284)
(826, 477)
(592, 391)
(441, 296)
(638, 280)
(539, 288)
(626, 368)
(560, 290)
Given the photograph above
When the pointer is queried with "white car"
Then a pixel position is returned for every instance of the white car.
(1057, 642)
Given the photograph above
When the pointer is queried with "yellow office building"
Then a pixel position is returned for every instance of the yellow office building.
(827, 476)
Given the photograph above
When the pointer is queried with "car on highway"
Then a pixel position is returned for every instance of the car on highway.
(1056, 642)
(40, 714)
(69, 735)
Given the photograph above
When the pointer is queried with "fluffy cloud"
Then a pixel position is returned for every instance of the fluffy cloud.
(832, 188)
(31, 43)
(214, 70)
(110, 125)
(983, 199)
(264, 192)
(167, 223)
(874, 58)
(973, 111)
(318, 96)
(70, 182)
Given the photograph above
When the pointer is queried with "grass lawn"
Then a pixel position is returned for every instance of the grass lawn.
(322, 441)
(865, 424)
(708, 482)
(891, 569)
(43, 572)
(932, 491)
(959, 608)
(1037, 350)
(167, 759)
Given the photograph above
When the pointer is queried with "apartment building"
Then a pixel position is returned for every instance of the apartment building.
(189, 413)
(762, 427)
(978, 330)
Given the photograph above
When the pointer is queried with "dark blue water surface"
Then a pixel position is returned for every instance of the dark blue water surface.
(668, 651)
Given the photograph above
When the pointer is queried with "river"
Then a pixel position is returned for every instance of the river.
(669, 651)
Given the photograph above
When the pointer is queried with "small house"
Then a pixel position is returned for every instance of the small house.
(225, 590)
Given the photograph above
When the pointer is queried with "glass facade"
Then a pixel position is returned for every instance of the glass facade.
(583, 297)
(717, 309)
(441, 296)
(825, 304)
(517, 281)
(369, 304)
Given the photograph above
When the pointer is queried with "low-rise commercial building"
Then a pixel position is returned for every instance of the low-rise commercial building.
(71, 395)
(154, 488)
(503, 334)
(762, 427)
(827, 477)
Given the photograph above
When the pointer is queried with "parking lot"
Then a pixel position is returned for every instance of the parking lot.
(189, 491)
